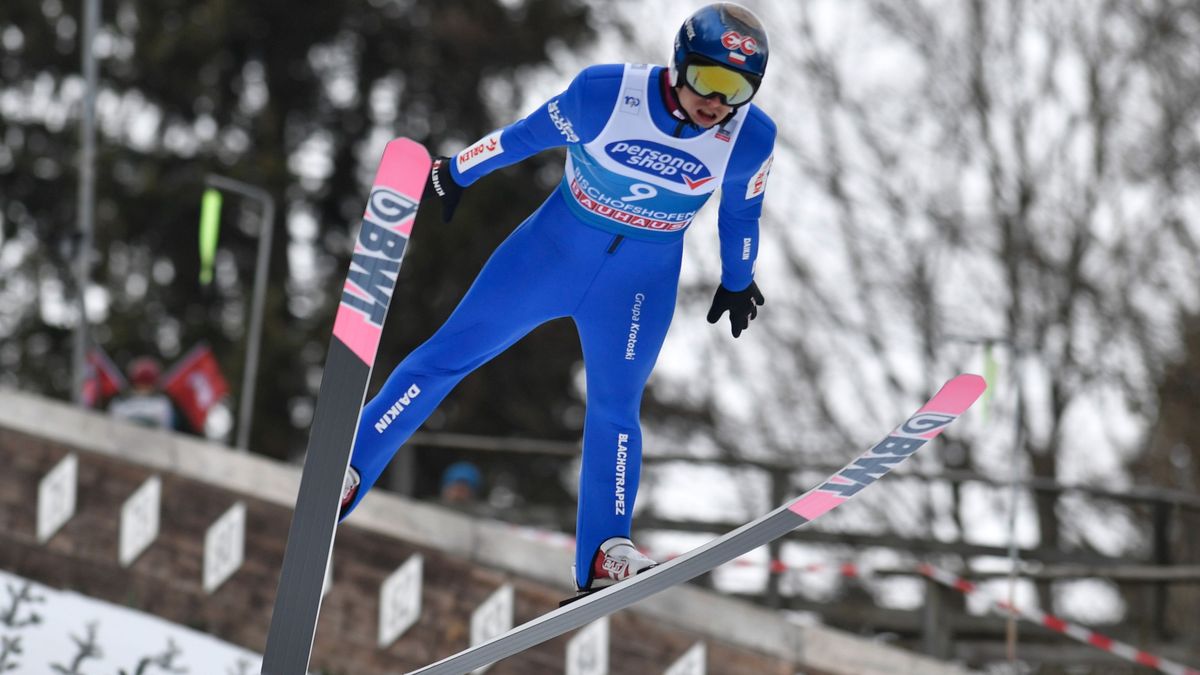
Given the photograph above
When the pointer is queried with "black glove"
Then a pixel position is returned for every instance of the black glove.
(443, 185)
(741, 305)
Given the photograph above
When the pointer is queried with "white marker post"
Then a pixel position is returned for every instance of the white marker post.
(224, 547)
(693, 662)
(140, 515)
(587, 652)
(400, 600)
(56, 497)
(494, 617)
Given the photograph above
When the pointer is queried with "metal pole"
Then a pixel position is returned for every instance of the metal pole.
(1015, 352)
(87, 189)
(254, 338)
(1010, 632)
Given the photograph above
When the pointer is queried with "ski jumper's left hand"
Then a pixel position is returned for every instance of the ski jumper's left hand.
(442, 183)
(742, 306)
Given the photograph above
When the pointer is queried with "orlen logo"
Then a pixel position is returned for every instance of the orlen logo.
(662, 161)
(485, 148)
(758, 182)
(735, 41)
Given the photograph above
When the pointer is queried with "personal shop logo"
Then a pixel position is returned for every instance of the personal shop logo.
(659, 160)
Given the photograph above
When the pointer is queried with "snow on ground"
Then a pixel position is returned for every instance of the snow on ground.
(53, 629)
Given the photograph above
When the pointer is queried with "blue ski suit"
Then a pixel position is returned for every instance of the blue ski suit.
(604, 249)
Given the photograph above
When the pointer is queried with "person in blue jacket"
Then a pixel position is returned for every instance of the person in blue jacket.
(646, 148)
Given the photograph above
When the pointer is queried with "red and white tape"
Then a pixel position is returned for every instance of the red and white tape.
(851, 570)
(1075, 631)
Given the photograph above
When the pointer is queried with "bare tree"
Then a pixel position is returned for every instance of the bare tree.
(10, 649)
(87, 648)
(165, 661)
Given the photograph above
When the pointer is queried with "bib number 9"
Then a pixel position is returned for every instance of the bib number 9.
(640, 191)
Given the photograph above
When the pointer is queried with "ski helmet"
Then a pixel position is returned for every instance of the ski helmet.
(721, 50)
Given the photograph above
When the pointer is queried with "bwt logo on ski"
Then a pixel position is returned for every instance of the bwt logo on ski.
(659, 160)
(377, 254)
(398, 407)
(923, 423)
(872, 465)
(622, 459)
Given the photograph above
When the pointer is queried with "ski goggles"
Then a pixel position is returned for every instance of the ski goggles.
(708, 79)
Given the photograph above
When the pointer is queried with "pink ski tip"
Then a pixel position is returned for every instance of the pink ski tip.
(977, 382)
(814, 503)
(957, 395)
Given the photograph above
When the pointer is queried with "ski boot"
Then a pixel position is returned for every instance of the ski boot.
(349, 490)
(616, 560)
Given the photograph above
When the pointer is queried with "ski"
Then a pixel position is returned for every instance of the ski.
(375, 263)
(951, 401)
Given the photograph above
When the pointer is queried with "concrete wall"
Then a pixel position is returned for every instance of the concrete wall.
(466, 559)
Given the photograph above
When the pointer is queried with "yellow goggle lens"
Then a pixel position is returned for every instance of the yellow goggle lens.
(707, 80)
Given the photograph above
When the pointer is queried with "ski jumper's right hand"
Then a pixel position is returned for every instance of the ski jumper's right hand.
(444, 186)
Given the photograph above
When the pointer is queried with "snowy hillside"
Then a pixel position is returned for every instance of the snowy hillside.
(46, 631)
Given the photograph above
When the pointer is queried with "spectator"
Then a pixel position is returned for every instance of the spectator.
(461, 483)
(144, 403)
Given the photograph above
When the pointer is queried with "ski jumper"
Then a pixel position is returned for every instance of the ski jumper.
(604, 249)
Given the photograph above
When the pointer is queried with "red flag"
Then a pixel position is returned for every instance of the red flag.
(103, 379)
(196, 384)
